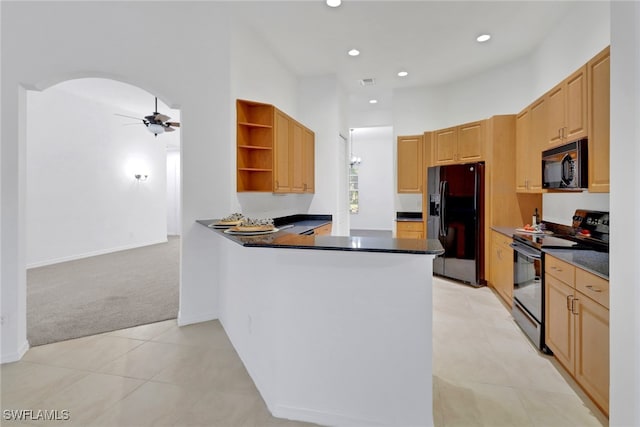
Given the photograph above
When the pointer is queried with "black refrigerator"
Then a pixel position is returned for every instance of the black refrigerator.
(456, 218)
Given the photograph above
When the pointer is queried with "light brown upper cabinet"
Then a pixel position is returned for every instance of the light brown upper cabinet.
(275, 153)
(599, 93)
(410, 164)
(530, 138)
(281, 182)
(567, 109)
(309, 171)
(459, 144)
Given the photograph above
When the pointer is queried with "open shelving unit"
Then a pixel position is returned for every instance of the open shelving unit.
(254, 146)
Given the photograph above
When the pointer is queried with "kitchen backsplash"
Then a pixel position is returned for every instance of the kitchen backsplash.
(560, 207)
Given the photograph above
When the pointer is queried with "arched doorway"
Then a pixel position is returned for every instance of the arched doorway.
(98, 199)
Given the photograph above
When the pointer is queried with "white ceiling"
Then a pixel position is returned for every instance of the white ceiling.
(433, 40)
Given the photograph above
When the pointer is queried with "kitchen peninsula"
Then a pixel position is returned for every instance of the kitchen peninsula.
(334, 330)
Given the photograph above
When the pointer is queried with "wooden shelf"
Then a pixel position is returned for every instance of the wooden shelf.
(254, 125)
(254, 170)
(274, 152)
(255, 147)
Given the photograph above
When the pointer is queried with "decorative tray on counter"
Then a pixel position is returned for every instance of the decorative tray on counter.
(249, 232)
(522, 230)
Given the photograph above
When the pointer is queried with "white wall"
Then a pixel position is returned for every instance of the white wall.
(497, 91)
(321, 107)
(625, 213)
(257, 75)
(375, 147)
(584, 31)
(174, 216)
(195, 77)
(82, 197)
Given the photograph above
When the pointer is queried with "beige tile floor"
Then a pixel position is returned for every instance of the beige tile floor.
(486, 373)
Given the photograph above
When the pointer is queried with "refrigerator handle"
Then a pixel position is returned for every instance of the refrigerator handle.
(443, 208)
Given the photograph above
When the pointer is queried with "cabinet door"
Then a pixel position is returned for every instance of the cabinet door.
(309, 161)
(556, 106)
(592, 349)
(410, 174)
(538, 140)
(470, 142)
(281, 183)
(576, 106)
(409, 230)
(502, 267)
(599, 100)
(559, 324)
(296, 160)
(445, 146)
(523, 150)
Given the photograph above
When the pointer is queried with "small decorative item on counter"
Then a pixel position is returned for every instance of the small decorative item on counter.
(233, 219)
(251, 224)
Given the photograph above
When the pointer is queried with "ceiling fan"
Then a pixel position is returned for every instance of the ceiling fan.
(156, 122)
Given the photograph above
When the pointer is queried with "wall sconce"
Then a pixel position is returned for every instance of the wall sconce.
(141, 177)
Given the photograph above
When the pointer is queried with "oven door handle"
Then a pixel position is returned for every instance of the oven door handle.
(531, 253)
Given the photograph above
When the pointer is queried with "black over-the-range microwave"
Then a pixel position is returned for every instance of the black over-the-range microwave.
(565, 167)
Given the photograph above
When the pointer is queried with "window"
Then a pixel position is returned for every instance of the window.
(353, 188)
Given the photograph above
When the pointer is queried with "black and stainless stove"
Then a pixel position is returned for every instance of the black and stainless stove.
(589, 231)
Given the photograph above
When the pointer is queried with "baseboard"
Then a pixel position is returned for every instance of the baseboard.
(320, 417)
(184, 320)
(92, 253)
(16, 355)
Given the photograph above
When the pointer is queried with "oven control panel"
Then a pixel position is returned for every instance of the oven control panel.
(591, 224)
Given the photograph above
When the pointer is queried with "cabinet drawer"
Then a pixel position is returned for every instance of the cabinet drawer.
(409, 226)
(593, 286)
(322, 230)
(560, 269)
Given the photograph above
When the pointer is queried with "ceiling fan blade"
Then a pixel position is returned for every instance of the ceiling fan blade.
(174, 124)
(162, 117)
(123, 115)
(168, 129)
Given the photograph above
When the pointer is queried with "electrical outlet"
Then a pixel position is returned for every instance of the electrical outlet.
(1, 320)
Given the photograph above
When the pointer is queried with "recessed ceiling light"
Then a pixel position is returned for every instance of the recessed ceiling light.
(354, 52)
(483, 38)
(373, 101)
(334, 3)
(403, 74)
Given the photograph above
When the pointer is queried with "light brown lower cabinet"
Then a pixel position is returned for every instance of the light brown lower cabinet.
(502, 266)
(577, 326)
(323, 230)
(409, 230)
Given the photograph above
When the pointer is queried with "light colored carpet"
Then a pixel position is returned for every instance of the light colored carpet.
(103, 293)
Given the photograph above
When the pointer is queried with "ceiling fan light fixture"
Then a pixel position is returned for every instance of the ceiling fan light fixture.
(155, 128)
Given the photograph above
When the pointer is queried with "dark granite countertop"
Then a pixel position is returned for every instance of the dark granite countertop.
(592, 261)
(409, 216)
(595, 262)
(291, 238)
